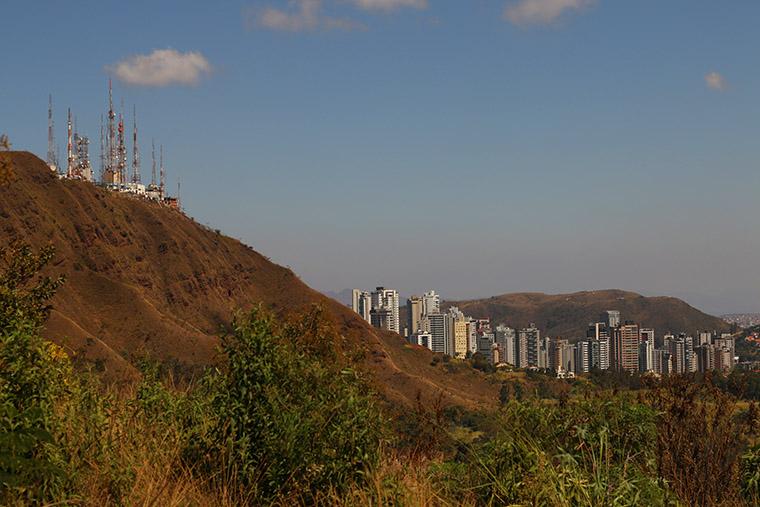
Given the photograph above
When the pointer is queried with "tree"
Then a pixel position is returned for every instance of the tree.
(504, 393)
(31, 373)
(24, 291)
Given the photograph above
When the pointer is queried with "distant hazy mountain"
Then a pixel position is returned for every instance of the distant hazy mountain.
(567, 315)
(343, 296)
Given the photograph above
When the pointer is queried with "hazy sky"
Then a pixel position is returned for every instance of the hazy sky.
(475, 147)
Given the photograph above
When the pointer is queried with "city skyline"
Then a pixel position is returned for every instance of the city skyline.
(611, 342)
(486, 148)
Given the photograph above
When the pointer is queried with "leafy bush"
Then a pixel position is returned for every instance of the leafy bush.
(287, 423)
(33, 376)
(592, 452)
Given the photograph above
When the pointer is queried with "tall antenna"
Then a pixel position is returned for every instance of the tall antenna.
(102, 153)
(51, 154)
(163, 174)
(135, 150)
(153, 155)
(69, 151)
(121, 164)
(179, 203)
(111, 138)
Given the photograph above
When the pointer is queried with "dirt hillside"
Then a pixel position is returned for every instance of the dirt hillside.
(145, 279)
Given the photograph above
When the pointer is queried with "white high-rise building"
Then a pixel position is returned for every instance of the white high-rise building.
(582, 364)
(472, 335)
(422, 339)
(705, 338)
(361, 303)
(431, 303)
(646, 355)
(505, 339)
(387, 299)
(611, 318)
(604, 353)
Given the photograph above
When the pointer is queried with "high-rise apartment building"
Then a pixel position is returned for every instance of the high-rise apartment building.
(414, 314)
(582, 357)
(726, 341)
(724, 359)
(487, 345)
(691, 358)
(624, 341)
(647, 334)
(604, 353)
(437, 329)
(505, 340)
(678, 355)
(662, 363)
(381, 318)
(361, 303)
(386, 299)
(431, 303)
(646, 354)
(472, 335)
(599, 332)
(705, 357)
(529, 342)
(422, 339)
(456, 333)
(560, 356)
(611, 318)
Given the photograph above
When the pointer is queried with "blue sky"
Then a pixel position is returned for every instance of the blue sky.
(475, 147)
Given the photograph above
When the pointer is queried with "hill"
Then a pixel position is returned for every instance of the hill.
(567, 315)
(143, 279)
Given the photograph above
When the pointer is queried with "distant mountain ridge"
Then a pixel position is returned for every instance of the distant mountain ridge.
(343, 296)
(567, 315)
(144, 279)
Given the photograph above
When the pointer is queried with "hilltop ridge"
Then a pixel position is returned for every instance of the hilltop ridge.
(144, 279)
(567, 315)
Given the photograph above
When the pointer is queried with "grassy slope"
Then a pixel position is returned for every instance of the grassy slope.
(567, 314)
(144, 279)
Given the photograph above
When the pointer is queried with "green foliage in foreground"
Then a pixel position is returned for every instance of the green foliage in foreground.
(592, 452)
(285, 421)
(277, 418)
(289, 423)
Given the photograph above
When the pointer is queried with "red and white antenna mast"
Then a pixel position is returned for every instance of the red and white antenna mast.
(153, 171)
(69, 148)
(135, 150)
(163, 174)
(51, 154)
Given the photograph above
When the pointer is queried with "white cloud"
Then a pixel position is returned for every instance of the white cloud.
(387, 5)
(535, 12)
(300, 16)
(715, 81)
(162, 67)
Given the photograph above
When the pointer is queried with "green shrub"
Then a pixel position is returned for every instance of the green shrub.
(750, 475)
(34, 375)
(591, 452)
(287, 423)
